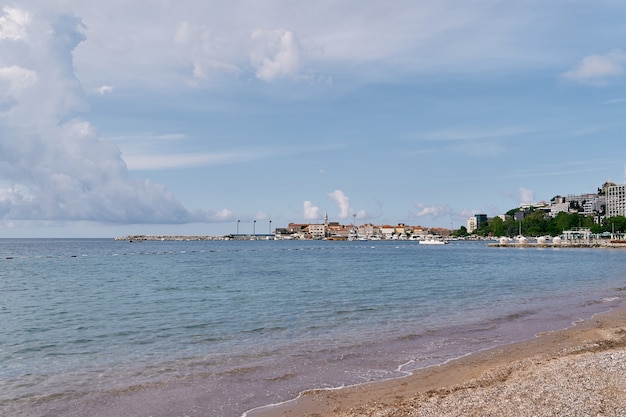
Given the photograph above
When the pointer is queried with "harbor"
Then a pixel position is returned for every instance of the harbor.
(578, 237)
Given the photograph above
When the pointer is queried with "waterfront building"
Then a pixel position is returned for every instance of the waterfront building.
(367, 230)
(577, 235)
(387, 231)
(317, 231)
(474, 222)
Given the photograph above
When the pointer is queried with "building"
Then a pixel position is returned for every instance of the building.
(559, 207)
(475, 222)
(616, 201)
(368, 230)
(387, 231)
(317, 231)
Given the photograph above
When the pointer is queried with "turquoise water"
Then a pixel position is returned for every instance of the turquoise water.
(107, 328)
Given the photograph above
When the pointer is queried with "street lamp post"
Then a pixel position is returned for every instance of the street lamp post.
(254, 228)
(238, 226)
(270, 231)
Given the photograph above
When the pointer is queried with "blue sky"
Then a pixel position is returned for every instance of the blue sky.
(183, 117)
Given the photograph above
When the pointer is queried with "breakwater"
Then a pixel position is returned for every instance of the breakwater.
(609, 244)
(181, 238)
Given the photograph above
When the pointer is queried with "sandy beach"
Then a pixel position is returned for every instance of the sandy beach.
(580, 371)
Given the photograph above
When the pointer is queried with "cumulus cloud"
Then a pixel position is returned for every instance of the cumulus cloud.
(311, 211)
(526, 196)
(276, 54)
(53, 165)
(598, 69)
(13, 23)
(165, 43)
(207, 51)
(434, 211)
(343, 203)
(222, 215)
(18, 78)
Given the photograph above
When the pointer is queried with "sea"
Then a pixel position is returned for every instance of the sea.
(104, 328)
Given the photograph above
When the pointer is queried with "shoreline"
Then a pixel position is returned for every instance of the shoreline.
(580, 370)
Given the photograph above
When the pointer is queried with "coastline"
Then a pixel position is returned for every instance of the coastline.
(577, 371)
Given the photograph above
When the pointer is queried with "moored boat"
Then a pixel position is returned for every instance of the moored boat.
(433, 240)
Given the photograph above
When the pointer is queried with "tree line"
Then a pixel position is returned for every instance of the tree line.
(537, 224)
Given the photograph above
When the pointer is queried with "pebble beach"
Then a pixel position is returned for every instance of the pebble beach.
(580, 371)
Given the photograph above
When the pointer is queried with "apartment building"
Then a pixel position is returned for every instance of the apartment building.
(616, 201)
(475, 222)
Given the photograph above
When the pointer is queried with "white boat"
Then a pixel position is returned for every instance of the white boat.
(433, 240)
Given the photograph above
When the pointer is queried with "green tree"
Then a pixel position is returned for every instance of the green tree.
(564, 221)
(617, 224)
(535, 224)
(462, 232)
(497, 227)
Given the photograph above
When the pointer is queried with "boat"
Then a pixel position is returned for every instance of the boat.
(433, 240)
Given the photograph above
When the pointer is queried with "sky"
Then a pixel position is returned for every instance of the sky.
(207, 118)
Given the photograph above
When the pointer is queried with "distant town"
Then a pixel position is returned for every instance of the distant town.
(336, 231)
(591, 210)
(602, 211)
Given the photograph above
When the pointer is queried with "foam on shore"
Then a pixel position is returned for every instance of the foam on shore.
(577, 371)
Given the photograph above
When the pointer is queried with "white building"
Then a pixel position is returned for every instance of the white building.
(472, 224)
(475, 222)
(557, 208)
(616, 201)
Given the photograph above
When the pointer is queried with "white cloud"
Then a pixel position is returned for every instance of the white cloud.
(434, 211)
(343, 203)
(18, 78)
(464, 214)
(152, 151)
(261, 216)
(14, 80)
(146, 162)
(54, 167)
(207, 52)
(311, 211)
(276, 54)
(526, 196)
(171, 42)
(13, 24)
(222, 215)
(104, 89)
(598, 69)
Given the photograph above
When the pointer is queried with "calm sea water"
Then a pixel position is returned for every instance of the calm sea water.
(107, 328)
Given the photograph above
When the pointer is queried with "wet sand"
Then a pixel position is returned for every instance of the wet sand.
(580, 371)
